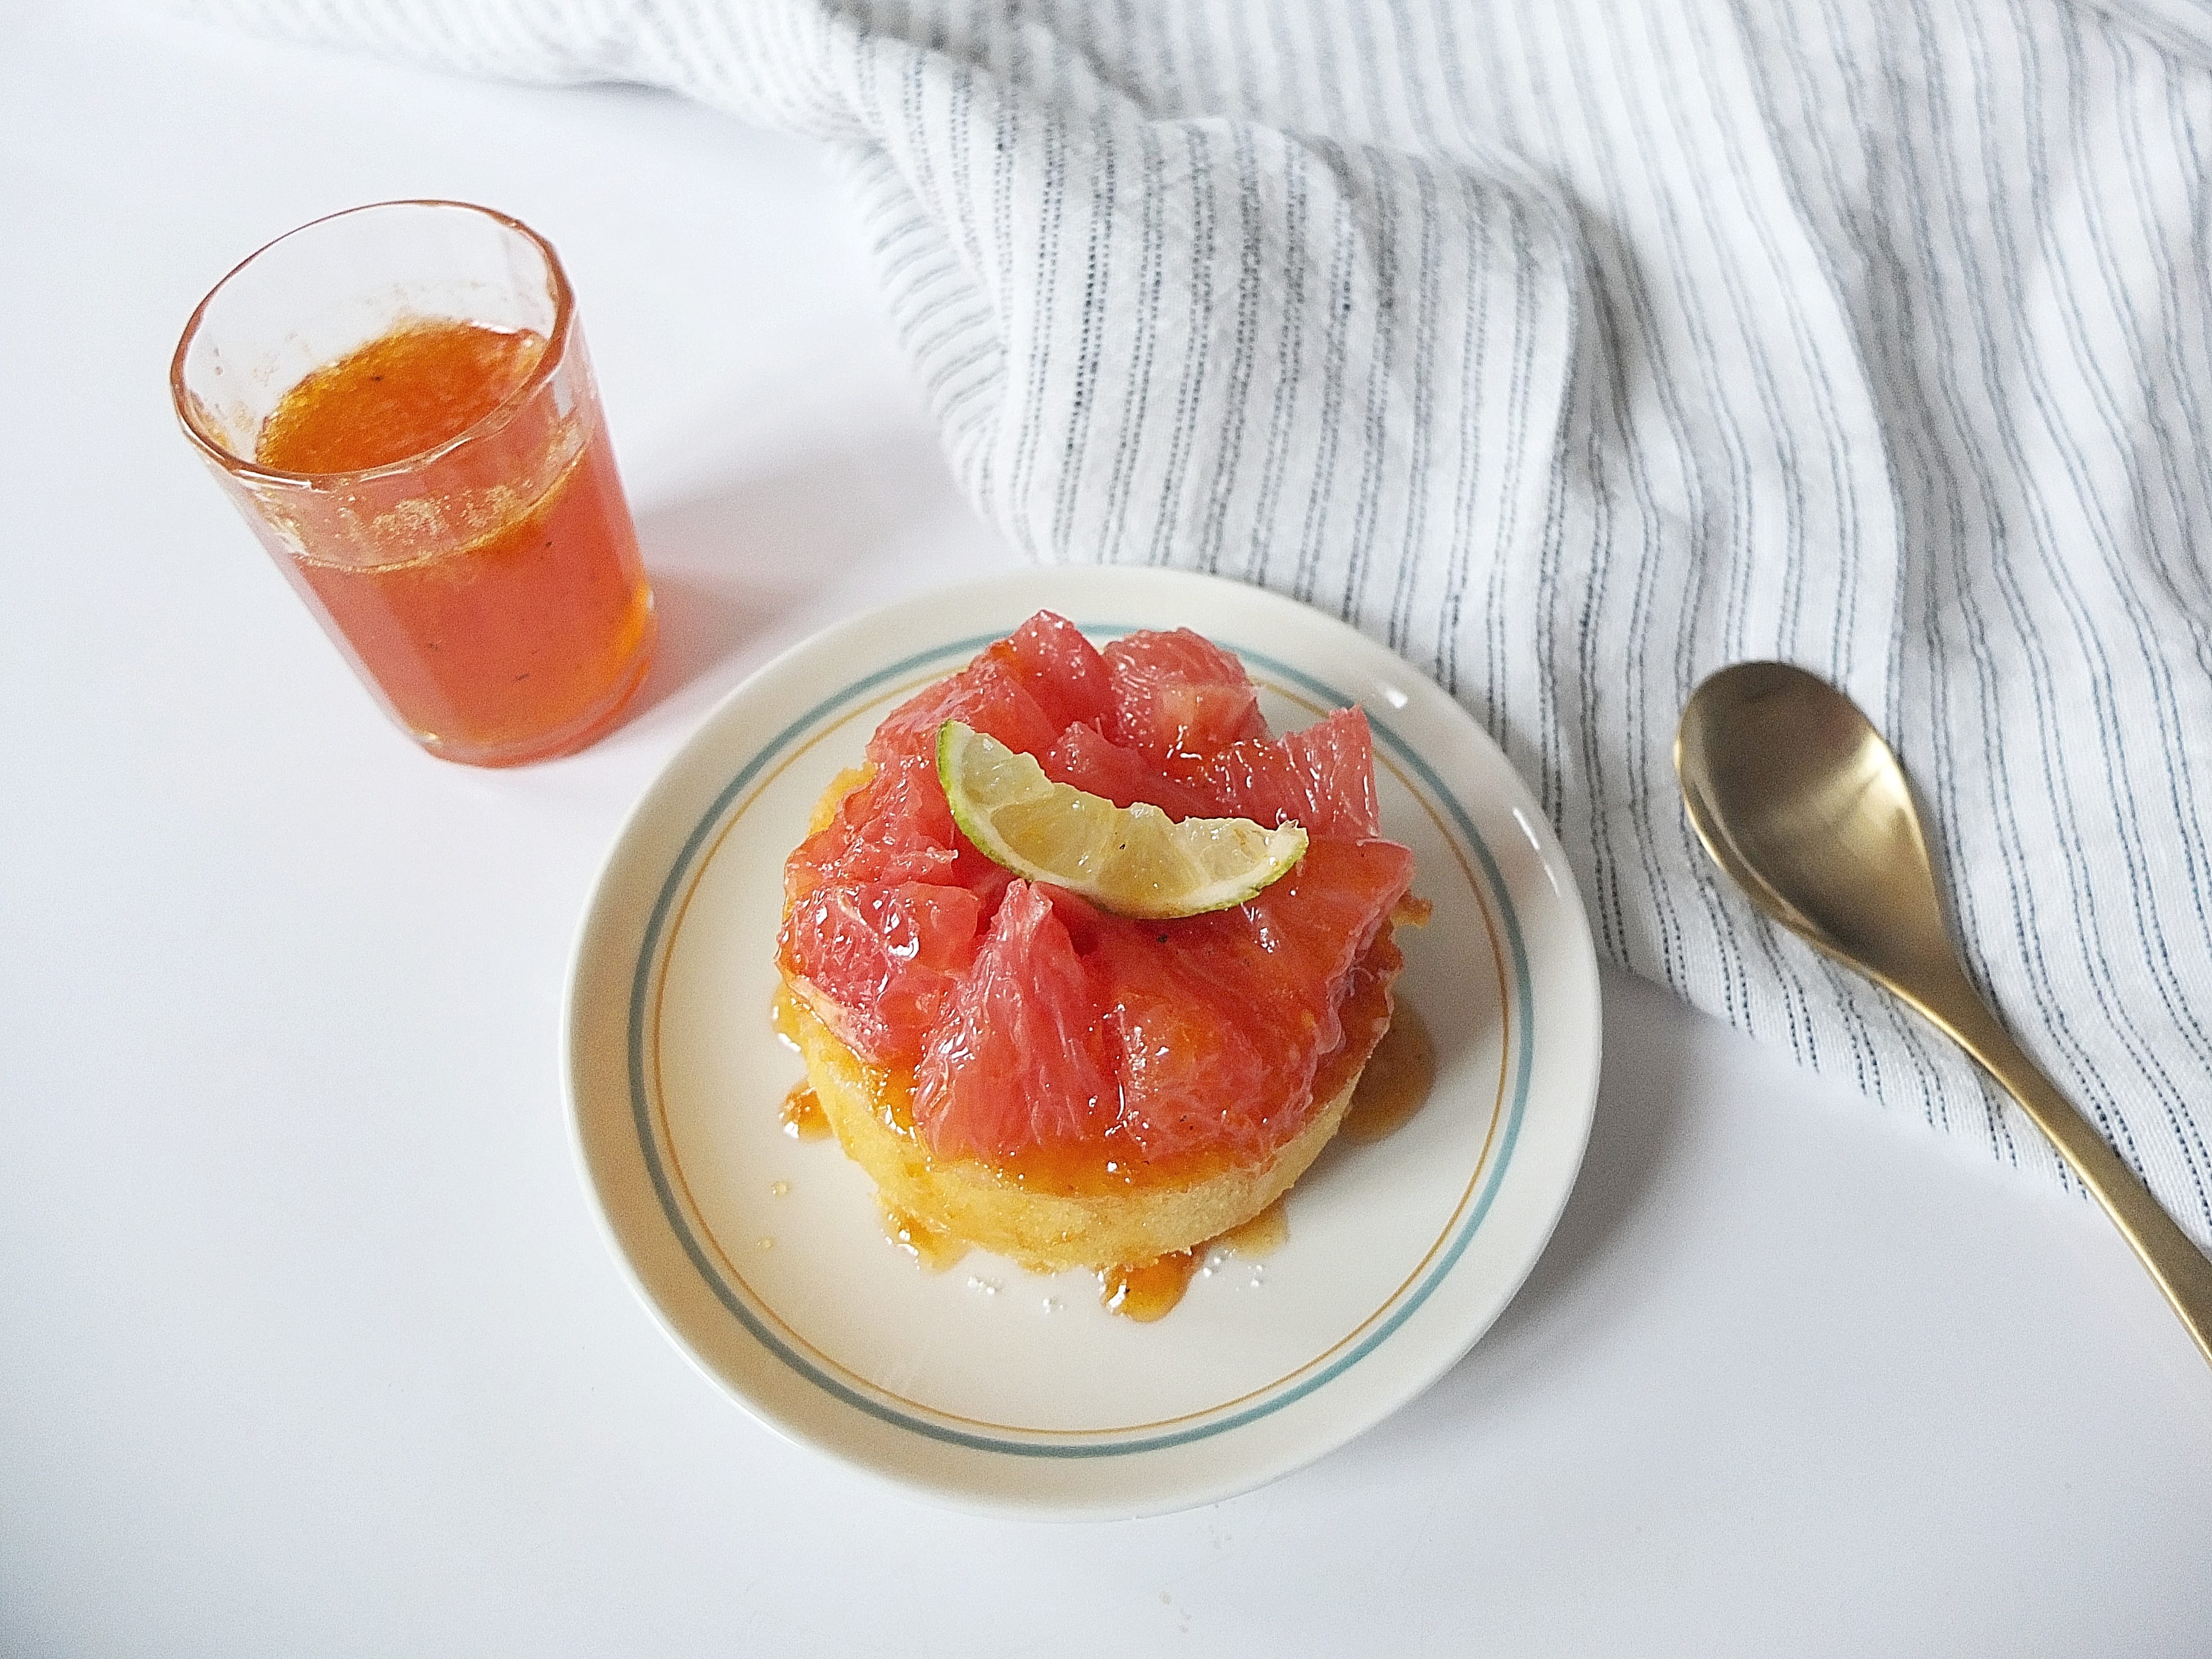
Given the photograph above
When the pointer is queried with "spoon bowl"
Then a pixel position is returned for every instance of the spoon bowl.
(1801, 803)
(1804, 806)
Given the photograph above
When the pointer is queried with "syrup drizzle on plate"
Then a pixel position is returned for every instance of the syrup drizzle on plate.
(803, 1116)
(1395, 1085)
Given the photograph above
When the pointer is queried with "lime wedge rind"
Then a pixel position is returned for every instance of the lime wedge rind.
(1133, 860)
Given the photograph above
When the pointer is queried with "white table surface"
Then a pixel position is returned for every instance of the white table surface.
(309, 1343)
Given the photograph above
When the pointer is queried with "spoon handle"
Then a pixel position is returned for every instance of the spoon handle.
(2173, 1259)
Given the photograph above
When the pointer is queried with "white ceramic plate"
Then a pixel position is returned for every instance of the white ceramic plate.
(985, 1387)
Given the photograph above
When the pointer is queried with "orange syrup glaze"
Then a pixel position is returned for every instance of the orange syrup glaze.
(1150, 1291)
(1263, 1235)
(1395, 1085)
(803, 1117)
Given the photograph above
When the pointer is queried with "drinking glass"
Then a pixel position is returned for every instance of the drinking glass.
(486, 589)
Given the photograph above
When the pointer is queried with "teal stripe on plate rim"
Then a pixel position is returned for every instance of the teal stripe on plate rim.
(845, 1392)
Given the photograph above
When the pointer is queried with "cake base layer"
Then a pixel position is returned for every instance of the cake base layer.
(1013, 1214)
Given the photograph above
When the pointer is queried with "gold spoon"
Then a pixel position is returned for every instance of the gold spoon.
(1798, 799)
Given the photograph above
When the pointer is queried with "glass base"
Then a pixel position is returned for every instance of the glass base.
(565, 741)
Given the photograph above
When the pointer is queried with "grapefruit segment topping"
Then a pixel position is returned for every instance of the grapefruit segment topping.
(1322, 777)
(893, 827)
(1033, 1020)
(1179, 694)
(1019, 1061)
(1087, 760)
(1063, 671)
(887, 959)
(1223, 1023)
(991, 695)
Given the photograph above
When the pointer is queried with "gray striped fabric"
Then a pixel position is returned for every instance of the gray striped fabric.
(1576, 350)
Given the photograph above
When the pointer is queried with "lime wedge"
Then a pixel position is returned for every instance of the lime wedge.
(1133, 860)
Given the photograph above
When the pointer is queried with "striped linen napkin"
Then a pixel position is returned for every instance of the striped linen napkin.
(1577, 351)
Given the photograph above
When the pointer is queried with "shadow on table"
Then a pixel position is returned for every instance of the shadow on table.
(732, 561)
(1583, 1287)
(1637, 1129)
(1639, 1108)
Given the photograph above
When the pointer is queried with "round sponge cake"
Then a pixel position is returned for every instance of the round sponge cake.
(1060, 1134)
(1077, 1215)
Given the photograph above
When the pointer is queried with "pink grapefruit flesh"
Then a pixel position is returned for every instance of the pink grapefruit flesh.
(1033, 1024)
